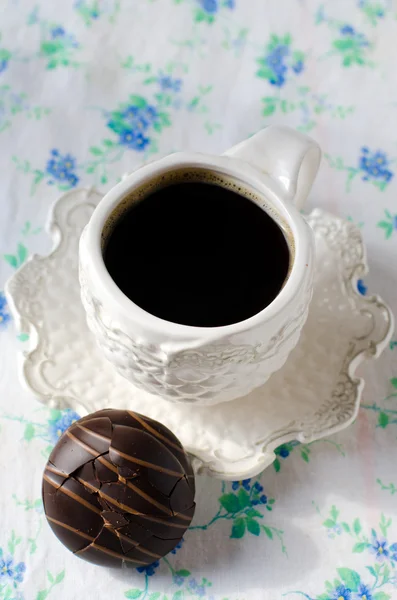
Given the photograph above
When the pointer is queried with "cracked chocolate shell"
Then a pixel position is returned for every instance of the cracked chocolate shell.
(118, 489)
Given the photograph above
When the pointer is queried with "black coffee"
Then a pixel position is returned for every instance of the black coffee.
(198, 254)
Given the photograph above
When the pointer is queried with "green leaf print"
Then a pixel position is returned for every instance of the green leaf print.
(132, 594)
(43, 594)
(183, 573)
(60, 577)
(12, 260)
(305, 455)
(350, 578)
(383, 420)
(360, 547)
(16, 260)
(243, 498)
(230, 503)
(29, 432)
(329, 523)
(269, 106)
(381, 596)
(268, 532)
(253, 526)
(238, 528)
(384, 524)
(13, 542)
(357, 526)
(391, 487)
(22, 253)
(252, 513)
(137, 101)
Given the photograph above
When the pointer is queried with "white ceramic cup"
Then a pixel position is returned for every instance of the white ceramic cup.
(202, 365)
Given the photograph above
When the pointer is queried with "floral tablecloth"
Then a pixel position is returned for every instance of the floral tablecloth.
(88, 90)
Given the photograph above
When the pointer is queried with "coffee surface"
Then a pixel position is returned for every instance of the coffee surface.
(198, 254)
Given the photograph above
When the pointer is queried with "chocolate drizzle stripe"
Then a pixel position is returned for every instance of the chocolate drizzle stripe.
(130, 485)
(149, 499)
(108, 464)
(69, 528)
(82, 444)
(91, 539)
(131, 510)
(124, 507)
(99, 436)
(72, 495)
(93, 545)
(55, 471)
(111, 553)
(167, 523)
(158, 435)
(137, 547)
(148, 465)
(132, 459)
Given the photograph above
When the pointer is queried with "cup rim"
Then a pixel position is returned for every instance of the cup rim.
(263, 185)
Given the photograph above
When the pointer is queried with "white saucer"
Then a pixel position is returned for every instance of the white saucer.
(314, 394)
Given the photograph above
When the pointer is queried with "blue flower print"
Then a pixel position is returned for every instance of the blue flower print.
(5, 56)
(283, 451)
(60, 169)
(347, 30)
(379, 548)
(8, 570)
(3, 64)
(257, 496)
(341, 593)
(87, 12)
(230, 4)
(178, 580)
(245, 483)
(335, 530)
(373, 10)
(58, 426)
(4, 314)
(359, 39)
(280, 60)
(351, 45)
(393, 552)
(210, 6)
(362, 288)
(132, 123)
(298, 67)
(58, 33)
(133, 140)
(139, 118)
(167, 83)
(364, 593)
(149, 570)
(274, 61)
(177, 547)
(375, 166)
(197, 589)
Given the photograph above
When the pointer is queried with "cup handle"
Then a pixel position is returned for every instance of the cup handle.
(288, 156)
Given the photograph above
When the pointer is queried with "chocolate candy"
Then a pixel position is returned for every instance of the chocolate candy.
(118, 489)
